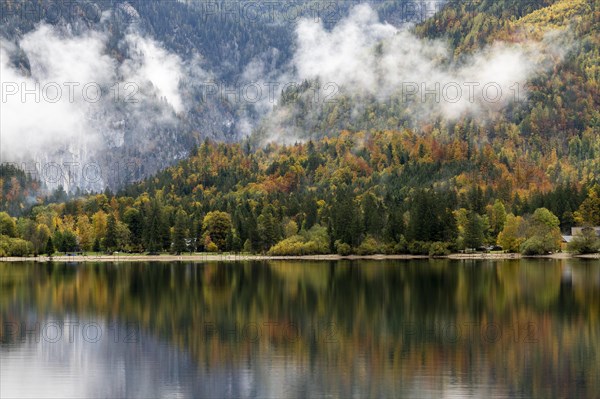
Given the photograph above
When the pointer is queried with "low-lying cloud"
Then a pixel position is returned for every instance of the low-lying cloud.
(105, 96)
(369, 58)
(72, 101)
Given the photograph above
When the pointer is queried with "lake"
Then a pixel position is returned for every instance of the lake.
(418, 329)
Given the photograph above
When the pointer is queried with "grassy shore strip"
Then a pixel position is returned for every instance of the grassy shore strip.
(243, 257)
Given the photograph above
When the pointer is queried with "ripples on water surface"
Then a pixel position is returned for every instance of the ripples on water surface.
(431, 329)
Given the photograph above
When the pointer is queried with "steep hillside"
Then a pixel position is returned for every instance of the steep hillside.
(190, 68)
(18, 190)
(557, 106)
(392, 192)
(369, 165)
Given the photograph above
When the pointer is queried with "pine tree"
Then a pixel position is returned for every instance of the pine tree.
(97, 247)
(247, 248)
(374, 213)
(110, 241)
(476, 200)
(153, 227)
(180, 232)
(314, 160)
(267, 228)
(474, 231)
(310, 210)
(345, 220)
(423, 225)
(395, 224)
(50, 247)
(236, 242)
(135, 222)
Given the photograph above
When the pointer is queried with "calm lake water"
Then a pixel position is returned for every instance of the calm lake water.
(430, 329)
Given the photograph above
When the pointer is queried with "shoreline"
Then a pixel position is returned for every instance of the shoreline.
(244, 257)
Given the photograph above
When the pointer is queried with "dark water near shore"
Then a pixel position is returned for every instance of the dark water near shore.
(432, 329)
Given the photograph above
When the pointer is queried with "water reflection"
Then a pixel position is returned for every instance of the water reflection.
(296, 329)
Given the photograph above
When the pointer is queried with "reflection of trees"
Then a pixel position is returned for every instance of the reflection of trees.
(383, 314)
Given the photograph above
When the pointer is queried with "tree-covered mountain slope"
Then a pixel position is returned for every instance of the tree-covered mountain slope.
(370, 171)
(392, 192)
(210, 55)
